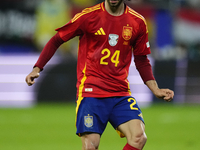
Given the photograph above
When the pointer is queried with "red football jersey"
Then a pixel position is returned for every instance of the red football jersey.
(106, 44)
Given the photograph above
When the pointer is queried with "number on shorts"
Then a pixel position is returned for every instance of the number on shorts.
(132, 104)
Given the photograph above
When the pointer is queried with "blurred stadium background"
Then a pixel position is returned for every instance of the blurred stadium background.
(42, 116)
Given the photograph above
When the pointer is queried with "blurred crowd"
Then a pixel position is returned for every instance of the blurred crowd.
(27, 25)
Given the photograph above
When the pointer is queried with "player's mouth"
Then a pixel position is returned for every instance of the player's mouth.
(114, 1)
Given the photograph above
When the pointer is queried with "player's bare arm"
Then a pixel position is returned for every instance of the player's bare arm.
(34, 74)
(165, 94)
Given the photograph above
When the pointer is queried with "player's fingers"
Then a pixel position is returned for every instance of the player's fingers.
(166, 94)
(30, 79)
(31, 83)
(170, 95)
(163, 93)
(168, 99)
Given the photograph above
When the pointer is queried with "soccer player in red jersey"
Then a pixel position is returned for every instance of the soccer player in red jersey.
(109, 33)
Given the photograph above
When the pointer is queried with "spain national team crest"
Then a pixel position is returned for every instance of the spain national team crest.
(113, 39)
(88, 121)
(127, 32)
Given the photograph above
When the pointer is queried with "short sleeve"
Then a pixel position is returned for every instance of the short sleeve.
(141, 45)
(71, 29)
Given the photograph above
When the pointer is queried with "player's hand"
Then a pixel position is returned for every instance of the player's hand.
(34, 74)
(165, 94)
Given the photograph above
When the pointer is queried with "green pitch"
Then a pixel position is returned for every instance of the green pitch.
(52, 126)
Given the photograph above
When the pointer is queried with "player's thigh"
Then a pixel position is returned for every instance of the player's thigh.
(90, 140)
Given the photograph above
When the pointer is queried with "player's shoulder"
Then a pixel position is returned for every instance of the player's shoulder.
(135, 14)
(88, 11)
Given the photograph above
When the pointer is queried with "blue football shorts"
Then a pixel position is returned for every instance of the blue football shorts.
(93, 114)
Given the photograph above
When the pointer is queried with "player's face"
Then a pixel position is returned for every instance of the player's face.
(114, 3)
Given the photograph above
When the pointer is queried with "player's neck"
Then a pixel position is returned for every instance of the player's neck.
(115, 11)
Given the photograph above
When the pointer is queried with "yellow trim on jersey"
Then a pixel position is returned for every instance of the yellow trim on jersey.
(86, 11)
(131, 11)
(129, 91)
(81, 86)
(102, 6)
(126, 10)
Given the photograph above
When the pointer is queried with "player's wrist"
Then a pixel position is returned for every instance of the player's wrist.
(36, 69)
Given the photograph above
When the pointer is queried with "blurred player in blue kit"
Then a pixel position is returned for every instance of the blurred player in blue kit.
(109, 33)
